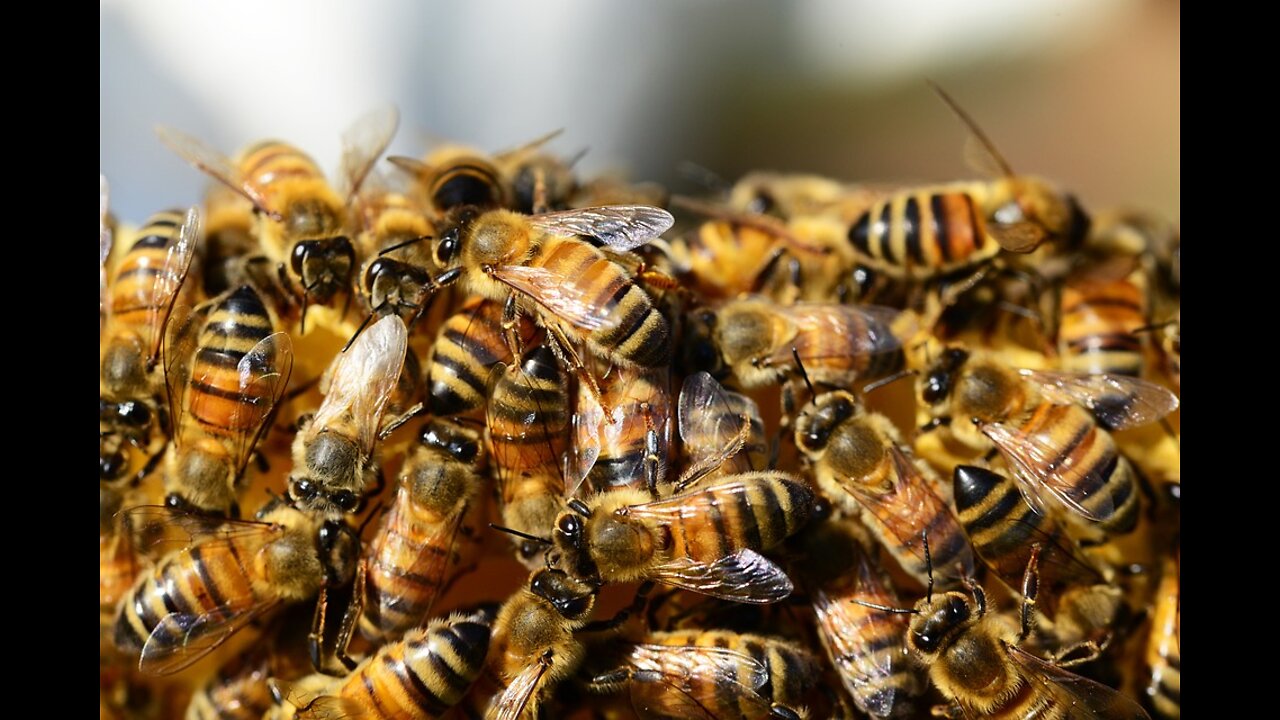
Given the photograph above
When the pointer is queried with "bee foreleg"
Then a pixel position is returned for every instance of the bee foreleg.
(1030, 590)
(350, 618)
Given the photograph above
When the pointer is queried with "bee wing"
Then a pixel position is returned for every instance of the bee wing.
(181, 639)
(104, 250)
(1118, 402)
(511, 704)
(865, 329)
(178, 352)
(534, 144)
(691, 680)
(160, 529)
(562, 297)
(860, 667)
(548, 457)
(212, 163)
(263, 376)
(746, 576)
(1035, 461)
(624, 227)
(363, 143)
(1083, 699)
(589, 427)
(715, 424)
(428, 559)
(162, 293)
(363, 377)
(900, 510)
(316, 707)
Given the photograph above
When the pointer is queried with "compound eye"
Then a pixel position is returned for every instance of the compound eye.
(936, 387)
(303, 489)
(574, 607)
(447, 248)
(957, 610)
(135, 413)
(345, 500)
(300, 252)
(569, 525)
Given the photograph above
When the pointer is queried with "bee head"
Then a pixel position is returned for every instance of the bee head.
(820, 419)
(938, 382)
(570, 598)
(323, 266)
(939, 621)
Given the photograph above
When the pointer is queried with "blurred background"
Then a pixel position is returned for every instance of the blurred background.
(1083, 91)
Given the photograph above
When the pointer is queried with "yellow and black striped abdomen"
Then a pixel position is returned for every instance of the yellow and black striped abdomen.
(237, 692)
(133, 299)
(924, 233)
(635, 333)
(266, 163)
(468, 345)
(528, 415)
(203, 579)
(215, 399)
(1164, 651)
(1087, 468)
(754, 511)
(422, 676)
(469, 181)
(1098, 320)
(793, 672)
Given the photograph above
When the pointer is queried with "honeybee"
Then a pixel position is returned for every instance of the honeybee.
(984, 675)
(229, 236)
(715, 674)
(628, 444)
(302, 218)
(418, 678)
(859, 464)
(760, 341)
(334, 462)
(528, 421)
(784, 195)
(533, 646)
(428, 533)
(239, 691)
(106, 239)
(144, 285)
(1098, 310)
(468, 345)
(866, 646)
(455, 176)
(224, 577)
(571, 287)
(1042, 423)
(707, 540)
(713, 419)
(1163, 651)
(225, 371)
(1006, 532)
(540, 181)
(953, 230)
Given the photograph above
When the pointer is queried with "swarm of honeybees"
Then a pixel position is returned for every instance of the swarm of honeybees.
(472, 436)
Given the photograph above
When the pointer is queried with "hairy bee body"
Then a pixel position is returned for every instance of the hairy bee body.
(1163, 651)
(428, 533)
(926, 232)
(1097, 320)
(397, 270)
(238, 692)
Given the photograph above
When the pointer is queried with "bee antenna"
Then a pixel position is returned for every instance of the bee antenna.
(406, 243)
(373, 513)
(973, 127)
(359, 330)
(886, 608)
(813, 394)
(579, 507)
(928, 563)
(302, 324)
(873, 386)
(517, 533)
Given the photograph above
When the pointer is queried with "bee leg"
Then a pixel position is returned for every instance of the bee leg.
(540, 203)
(510, 318)
(1090, 650)
(150, 467)
(950, 710)
(315, 638)
(782, 712)
(1030, 590)
(574, 360)
(637, 604)
(652, 454)
(259, 459)
(391, 424)
(350, 618)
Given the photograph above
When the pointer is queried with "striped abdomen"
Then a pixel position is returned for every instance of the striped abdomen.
(207, 578)
(414, 554)
(793, 672)
(467, 181)
(867, 646)
(422, 676)
(754, 511)
(238, 692)
(118, 567)
(468, 345)
(638, 436)
(264, 165)
(133, 300)
(836, 344)
(634, 333)
(1088, 468)
(528, 418)
(215, 399)
(1164, 653)
(1003, 529)
(1098, 319)
(924, 233)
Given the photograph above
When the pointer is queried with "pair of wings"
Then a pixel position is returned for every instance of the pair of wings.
(1079, 698)
(362, 143)
(910, 508)
(622, 227)
(361, 381)
(182, 638)
(705, 683)
(162, 292)
(262, 377)
(863, 331)
(638, 404)
(1117, 402)
(718, 428)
